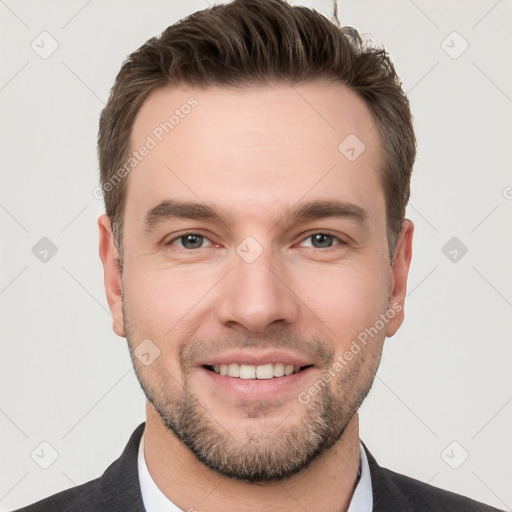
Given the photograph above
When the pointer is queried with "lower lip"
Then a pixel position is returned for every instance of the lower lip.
(257, 388)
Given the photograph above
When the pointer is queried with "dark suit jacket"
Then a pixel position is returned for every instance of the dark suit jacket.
(118, 490)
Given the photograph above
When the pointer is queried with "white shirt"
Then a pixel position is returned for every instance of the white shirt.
(156, 501)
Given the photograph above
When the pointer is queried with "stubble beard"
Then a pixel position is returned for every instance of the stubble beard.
(261, 456)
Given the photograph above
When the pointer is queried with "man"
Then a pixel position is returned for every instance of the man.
(255, 160)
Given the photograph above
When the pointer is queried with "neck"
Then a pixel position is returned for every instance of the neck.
(326, 485)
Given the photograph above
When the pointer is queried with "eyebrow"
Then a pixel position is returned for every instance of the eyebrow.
(302, 212)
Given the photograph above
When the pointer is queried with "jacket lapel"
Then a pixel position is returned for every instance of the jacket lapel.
(386, 495)
(120, 481)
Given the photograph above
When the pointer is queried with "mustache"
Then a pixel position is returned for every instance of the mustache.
(312, 348)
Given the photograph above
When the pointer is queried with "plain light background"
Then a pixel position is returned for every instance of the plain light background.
(444, 387)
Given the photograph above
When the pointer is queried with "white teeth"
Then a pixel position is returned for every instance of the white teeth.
(265, 371)
(233, 370)
(278, 370)
(249, 371)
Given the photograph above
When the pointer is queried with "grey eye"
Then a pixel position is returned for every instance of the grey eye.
(192, 241)
(322, 240)
(189, 241)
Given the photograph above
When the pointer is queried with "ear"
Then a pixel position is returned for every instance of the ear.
(399, 274)
(112, 274)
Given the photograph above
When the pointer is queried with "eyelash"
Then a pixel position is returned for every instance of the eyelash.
(340, 241)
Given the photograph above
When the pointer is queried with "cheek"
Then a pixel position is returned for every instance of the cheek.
(346, 299)
(162, 302)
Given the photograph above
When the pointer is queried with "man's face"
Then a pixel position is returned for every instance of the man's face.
(256, 289)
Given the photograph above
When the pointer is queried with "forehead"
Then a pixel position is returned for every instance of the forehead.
(255, 148)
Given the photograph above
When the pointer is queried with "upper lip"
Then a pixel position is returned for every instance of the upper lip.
(257, 358)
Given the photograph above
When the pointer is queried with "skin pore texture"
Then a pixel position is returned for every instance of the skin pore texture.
(308, 289)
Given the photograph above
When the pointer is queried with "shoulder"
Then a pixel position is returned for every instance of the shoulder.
(83, 498)
(428, 498)
(392, 491)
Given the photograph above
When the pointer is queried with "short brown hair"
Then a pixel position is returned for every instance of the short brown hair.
(259, 41)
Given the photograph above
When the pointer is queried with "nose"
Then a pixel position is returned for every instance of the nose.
(257, 294)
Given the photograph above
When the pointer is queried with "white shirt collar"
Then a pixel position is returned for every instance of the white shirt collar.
(156, 501)
(362, 499)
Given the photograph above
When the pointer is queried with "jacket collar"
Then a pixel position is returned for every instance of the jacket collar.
(120, 481)
(121, 488)
(386, 495)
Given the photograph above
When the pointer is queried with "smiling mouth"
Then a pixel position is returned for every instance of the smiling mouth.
(261, 372)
